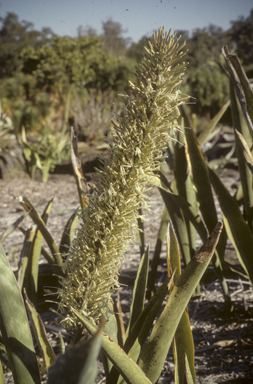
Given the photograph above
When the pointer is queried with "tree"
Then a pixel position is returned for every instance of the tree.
(241, 33)
(112, 38)
(206, 82)
(86, 31)
(14, 37)
(52, 74)
(209, 88)
(136, 50)
(204, 45)
(80, 61)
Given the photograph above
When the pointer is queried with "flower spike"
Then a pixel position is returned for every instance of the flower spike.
(141, 134)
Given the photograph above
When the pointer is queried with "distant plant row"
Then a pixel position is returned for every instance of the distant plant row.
(41, 72)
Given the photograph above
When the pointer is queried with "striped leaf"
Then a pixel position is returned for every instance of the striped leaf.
(237, 229)
(183, 340)
(15, 328)
(156, 348)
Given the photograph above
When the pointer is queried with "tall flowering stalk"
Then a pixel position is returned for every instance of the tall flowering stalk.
(146, 124)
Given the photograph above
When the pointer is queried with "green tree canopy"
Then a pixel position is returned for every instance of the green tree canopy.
(113, 39)
(136, 50)
(52, 76)
(241, 33)
(206, 81)
(14, 37)
(81, 61)
(204, 45)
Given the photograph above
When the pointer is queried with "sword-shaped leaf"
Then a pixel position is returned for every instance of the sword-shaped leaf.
(158, 247)
(12, 227)
(68, 233)
(128, 369)
(237, 229)
(200, 178)
(81, 183)
(15, 328)
(43, 229)
(78, 365)
(246, 177)
(156, 348)
(206, 133)
(32, 272)
(40, 334)
(183, 340)
(245, 150)
(139, 291)
(241, 84)
(186, 190)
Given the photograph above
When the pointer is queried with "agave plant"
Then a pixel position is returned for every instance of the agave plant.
(89, 273)
(44, 152)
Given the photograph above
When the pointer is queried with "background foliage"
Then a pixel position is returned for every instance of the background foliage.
(40, 70)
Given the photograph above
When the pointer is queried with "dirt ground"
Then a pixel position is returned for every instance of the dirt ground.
(224, 345)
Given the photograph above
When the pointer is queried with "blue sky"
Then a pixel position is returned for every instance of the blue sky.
(137, 17)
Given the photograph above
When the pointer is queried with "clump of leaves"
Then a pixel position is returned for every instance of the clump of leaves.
(44, 152)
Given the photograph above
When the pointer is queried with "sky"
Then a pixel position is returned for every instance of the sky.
(138, 17)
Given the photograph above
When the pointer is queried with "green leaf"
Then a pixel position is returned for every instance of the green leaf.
(138, 300)
(201, 181)
(245, 150)
(186, 190)
(183, 346)
(139, 291)
(15, 328)
(130, 371)
(61, 342)
(111, 329)
(142, 326)
(69, 232)
(200, 178)
(237, 229)
(47, 256)
(240, 125)
(170, 198)
(1, 374)
(158, 247)
(32, 273)
(156, 348)
(173, 257)
(178, 219)
(189, 378)
(183, 340)
(25, 255)
(12, 227)
(141, 329)
(141, 236)
(3, 354)
(42, 227)
(78, 365)
(241, 85)
(82, 186)
(40, 334)
(120, 322)
(206, 133)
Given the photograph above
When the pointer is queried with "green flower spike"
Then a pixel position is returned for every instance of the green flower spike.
(146, 124)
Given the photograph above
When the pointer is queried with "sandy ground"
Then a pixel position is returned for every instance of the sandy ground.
(223, 345)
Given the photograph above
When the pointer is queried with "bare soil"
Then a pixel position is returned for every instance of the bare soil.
(223, 344)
